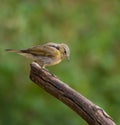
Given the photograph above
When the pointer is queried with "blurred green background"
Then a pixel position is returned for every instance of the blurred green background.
(91, 28)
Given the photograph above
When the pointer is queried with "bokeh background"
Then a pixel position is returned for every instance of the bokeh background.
(91, 28)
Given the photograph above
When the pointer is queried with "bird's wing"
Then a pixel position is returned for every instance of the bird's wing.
(44, 50)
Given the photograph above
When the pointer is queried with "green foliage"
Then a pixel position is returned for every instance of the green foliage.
(92, 31)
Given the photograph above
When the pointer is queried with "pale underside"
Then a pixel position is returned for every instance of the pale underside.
(42, 60)
(43, 55)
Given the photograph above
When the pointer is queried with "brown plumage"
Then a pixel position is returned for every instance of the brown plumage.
(47, 54)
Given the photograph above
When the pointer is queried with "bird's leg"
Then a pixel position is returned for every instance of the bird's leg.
(48, 71)
(40, 64)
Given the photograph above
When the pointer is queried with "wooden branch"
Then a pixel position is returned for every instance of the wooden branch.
(90, 112)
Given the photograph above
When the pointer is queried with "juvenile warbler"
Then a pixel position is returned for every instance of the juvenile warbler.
(47, 54)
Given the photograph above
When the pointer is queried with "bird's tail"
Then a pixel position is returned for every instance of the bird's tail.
(11, 50)
(21, 52)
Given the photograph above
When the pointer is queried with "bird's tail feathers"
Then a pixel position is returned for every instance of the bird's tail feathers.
(11, 50)
(21, 52)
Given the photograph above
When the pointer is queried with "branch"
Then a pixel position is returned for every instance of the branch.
(90, 112)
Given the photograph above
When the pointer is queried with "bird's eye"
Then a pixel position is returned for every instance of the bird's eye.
(65, 51)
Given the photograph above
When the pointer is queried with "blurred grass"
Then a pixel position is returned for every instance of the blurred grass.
(92, 31)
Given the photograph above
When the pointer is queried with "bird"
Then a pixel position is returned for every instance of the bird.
(47, 54)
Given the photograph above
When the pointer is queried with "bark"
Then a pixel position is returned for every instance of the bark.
(91, 113)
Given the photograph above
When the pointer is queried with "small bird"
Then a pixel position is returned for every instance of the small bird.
(47, 54)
